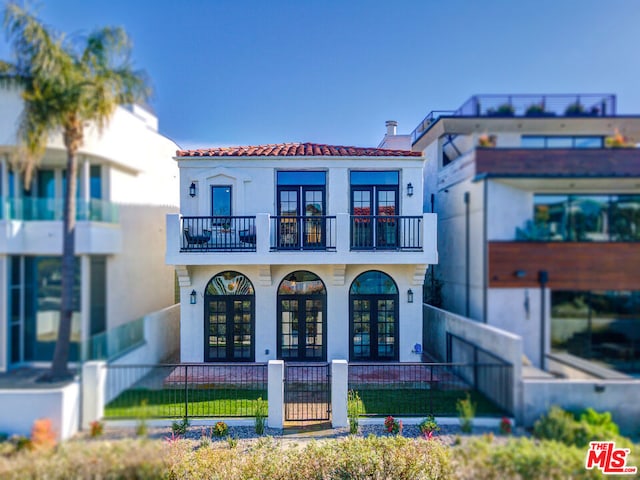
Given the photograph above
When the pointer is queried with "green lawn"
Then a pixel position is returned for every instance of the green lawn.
(420, 402)
(139, 403)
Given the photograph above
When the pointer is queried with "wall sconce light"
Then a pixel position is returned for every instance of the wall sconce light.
(409, 296)
(410, 190)
(193, 297)
(192, 189)
(520, 273)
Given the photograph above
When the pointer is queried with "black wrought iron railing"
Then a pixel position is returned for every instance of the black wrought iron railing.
(525, 105)
(209, 234)
(386, 232)
(317, 232)
(184, 390)
(420, 389)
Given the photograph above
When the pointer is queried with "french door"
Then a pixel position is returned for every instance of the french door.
(369, 207)
(374, 328)
(229, 328)
(302, 217)
(302, 328)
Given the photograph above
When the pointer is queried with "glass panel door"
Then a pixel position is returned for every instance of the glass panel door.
(362, 224)
(230, 335)
(313, 329)
(288, 228)
(361, 335)
(387, 228)
(373, 328)
(302, 329)
(242, 313)
(290, 329)
(217, 342)
(386, 314)
(314, 234)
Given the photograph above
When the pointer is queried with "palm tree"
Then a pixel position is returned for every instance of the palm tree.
(65, 85)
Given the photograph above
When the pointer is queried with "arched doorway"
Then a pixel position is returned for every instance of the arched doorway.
(373, 318)
(229, 319)
(302, 323)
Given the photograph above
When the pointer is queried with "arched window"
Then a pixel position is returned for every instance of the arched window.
(302, 323)
(373, 318)
(229, 318)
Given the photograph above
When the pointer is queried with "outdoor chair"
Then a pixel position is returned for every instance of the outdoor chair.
(248, 235)
(197, 239)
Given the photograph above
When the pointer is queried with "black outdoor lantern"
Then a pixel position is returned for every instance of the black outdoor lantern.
(409, 296)
(194, 297)
(192, 192)
(410, 189)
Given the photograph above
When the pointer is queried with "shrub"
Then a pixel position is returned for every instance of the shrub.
(429, 427)
(96, 428)
(353, 411)
(575, 108)
(180, 427)
(42, 434)
(143, 413)
(617, 140)
(232, 441)
(393, 426)
(466, 412)
(485, 140)
(221, 429)
(261, 415)
(578, 430)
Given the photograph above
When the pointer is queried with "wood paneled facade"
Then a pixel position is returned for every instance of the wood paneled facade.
(571, 265)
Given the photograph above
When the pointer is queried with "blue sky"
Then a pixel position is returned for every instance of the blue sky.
(242, 72)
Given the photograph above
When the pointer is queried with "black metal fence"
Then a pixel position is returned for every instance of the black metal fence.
(386, 232)
(210, 234)
(314, 232)
(420, 389)
(184, 390)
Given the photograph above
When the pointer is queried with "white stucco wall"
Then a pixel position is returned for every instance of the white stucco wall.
(508, 208)
(138, 281)
(337, 314)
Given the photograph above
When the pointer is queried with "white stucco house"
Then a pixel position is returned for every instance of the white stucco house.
(300, 252)
(127, 183)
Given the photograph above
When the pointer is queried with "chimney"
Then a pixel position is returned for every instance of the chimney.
(391, 127)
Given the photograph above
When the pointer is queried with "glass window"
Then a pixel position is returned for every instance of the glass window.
(532, 142)
(550, 214)
(603, 326)
(554, 141)
(221, 201)
(301, 283)
(589, 218)
(95, 181)
(625, 218)
(588, 142)
(229, 283)
(301, 178)
(559, 142)
(374, 178)
(64, 183)
(372, 283)
(46, 184)
(98, 314)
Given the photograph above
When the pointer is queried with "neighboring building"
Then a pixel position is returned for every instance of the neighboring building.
(301, 252)
(127, 183)
(539, 222)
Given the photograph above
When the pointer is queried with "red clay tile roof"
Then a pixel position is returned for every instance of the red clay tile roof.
(295, 150)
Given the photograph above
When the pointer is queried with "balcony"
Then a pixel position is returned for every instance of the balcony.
(266, 239)
(526, 105)
(52, 209)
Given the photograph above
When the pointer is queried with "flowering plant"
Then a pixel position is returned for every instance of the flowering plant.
(393, 426)
(221, 429)
(505, 426)
(428, 427)
(96, 428)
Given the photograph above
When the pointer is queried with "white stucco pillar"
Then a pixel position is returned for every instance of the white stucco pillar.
(275, 393)
(263, 233)
(94, 381)
(339, 391)
(342, 233)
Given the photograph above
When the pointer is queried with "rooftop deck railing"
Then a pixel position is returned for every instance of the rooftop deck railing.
(525, 105)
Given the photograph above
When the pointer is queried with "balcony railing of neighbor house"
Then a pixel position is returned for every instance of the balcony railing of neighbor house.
(210, 234)
(526, 105)
(116, 341)
(317, 232)
(38, 209)
(420, 389)
(386, 232)
(184, 390)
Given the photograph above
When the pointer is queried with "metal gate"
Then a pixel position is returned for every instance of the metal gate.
(307, 391)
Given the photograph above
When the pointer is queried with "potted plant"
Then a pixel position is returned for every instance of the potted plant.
(574, 109)
(537, 110)
(504, 110)
(617, 140)
(485, 140)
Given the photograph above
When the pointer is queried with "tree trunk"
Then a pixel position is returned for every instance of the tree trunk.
(59, 365)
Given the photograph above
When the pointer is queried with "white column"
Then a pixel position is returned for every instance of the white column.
(263, 233)
(342, 233)
(275, 393)
(94, 381)
(339, 390)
